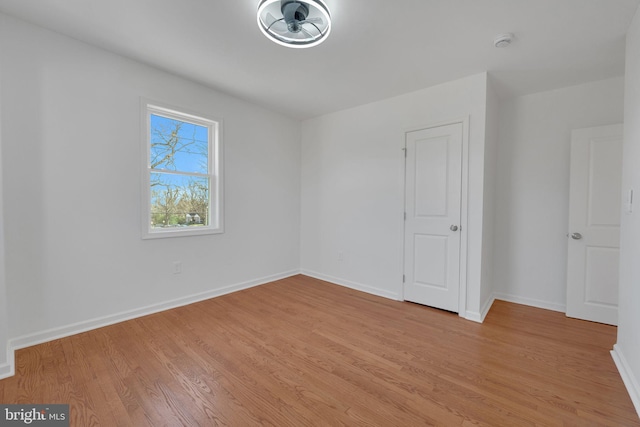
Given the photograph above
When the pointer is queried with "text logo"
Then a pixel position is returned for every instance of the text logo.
(34, 415)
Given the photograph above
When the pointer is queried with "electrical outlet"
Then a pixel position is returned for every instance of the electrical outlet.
(177, 267)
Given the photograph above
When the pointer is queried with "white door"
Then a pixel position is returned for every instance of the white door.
(594, 224)
(432, 208)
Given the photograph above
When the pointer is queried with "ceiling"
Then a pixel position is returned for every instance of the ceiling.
(377, 49)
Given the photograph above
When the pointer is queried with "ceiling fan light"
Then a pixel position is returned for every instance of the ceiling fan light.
(294, 23)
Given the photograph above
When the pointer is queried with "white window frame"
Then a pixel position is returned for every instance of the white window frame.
(215, 170)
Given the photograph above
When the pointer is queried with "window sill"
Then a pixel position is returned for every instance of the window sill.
(180, 232)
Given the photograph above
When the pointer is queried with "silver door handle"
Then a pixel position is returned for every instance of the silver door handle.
(576, 236)
(453, 228)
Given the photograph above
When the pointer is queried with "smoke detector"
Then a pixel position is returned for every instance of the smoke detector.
(503, 40)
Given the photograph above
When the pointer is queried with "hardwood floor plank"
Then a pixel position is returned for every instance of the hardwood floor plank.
(301, 351)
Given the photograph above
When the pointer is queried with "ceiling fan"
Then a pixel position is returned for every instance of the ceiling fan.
(294, 23)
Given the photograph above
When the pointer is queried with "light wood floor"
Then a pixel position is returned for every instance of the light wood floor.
(302, 352)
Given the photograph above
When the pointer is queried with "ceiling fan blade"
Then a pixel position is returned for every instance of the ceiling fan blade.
(269, 19)
(276, 25)
(279, 27)
(317, 21)
(306, 33)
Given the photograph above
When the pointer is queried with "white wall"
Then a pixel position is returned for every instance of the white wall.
(353, 186)
(532, 199)
(489, 176)
(627, 350)
(71, 166)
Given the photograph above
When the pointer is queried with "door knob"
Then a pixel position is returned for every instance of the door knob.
(453, 228)
(576, 236)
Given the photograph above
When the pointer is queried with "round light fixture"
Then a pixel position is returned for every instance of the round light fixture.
(294, 23)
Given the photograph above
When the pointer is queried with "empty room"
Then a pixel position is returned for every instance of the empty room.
(320, 212)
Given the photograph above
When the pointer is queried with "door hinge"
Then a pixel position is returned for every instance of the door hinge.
(405, 152)
(403, 278)
(405, 216)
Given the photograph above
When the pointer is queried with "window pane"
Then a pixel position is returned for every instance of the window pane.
(177, 145)
(179, 201)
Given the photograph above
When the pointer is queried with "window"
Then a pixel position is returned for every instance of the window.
(182, 183)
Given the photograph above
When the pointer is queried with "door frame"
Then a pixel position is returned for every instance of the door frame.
(464, 205)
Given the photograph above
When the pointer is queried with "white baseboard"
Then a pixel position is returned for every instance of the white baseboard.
(479, 317)
(7, 370)
(630, 382)
(353, 285)
(531, 302)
